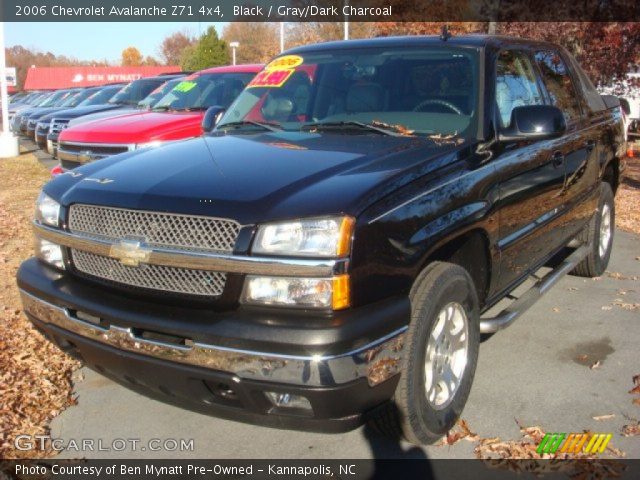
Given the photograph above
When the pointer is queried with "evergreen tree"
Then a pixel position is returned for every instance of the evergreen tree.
(209, 51)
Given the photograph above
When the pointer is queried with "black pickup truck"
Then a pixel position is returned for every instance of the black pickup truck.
(329, 251)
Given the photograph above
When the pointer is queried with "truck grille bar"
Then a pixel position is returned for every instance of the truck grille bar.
(199, 260)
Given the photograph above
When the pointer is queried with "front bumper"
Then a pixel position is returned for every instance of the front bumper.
(41, 140)
(31, 132)
(52, 144)
(344, 370)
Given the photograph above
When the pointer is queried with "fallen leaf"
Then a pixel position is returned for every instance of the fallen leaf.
(631, 430)
(616, 451)
(582, 357)
(595, 365)
(607, 307)
(556, 309)
(636, 401)
(460, 432)
(599, 418)
(635, 390)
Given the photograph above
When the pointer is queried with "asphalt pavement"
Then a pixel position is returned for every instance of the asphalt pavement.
(537, 373)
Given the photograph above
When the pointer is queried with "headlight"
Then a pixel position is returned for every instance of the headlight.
(326, 293)
(49, 252)
(314, 237)
(153, 144)
(47, 210)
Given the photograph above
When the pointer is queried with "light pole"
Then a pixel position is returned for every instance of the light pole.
(8, 143)
(346, 22)
(233, 46)
(281, 37)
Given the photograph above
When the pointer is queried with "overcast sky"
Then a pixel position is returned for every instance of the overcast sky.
(96, 41)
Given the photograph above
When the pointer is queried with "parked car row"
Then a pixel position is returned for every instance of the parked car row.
(78, 126)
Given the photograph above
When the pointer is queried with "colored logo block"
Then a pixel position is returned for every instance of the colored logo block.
(574, 443)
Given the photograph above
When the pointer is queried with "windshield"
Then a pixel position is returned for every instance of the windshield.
(419, 91)
(151, 99)
(136, 91)
(38, 98)
(98, 97)
(74, 98)
(201, 91)
(54, 98)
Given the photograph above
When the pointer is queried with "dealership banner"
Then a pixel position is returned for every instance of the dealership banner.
(317, 10)
(50, 78)
(412, 467)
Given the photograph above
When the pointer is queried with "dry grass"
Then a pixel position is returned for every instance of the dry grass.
(628, 197)
(35, 383)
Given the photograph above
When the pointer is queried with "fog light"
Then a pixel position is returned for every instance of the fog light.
(287, 400)
(49, 252)
(298, 292)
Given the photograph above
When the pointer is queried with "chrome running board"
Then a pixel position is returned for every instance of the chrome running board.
(521, 304)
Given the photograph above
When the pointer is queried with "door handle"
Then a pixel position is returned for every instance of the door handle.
(557, 159)
(590, 145)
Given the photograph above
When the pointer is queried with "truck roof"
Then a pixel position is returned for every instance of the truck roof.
(247, 68)
(477, 40)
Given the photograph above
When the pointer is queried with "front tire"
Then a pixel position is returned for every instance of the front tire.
(599, 232)
(440, 356)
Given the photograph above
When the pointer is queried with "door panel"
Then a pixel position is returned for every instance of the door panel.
(531, 175)
(581, 141)
(531, 199)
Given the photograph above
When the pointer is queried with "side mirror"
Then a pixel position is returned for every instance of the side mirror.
(610, 101)
(211, 117)
(624, 105)
(534, 122)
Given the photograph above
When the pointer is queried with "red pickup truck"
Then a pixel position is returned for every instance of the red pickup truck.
(177, 116)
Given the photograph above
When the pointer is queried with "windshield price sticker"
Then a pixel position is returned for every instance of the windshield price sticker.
(184, 87)
(271, 78)
(277, 72)
(288, 61)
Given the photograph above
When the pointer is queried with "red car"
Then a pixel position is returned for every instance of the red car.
(177, 116)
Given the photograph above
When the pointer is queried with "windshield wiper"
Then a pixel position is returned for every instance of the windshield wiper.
(273, 127)
(350, 124)
(193, 109)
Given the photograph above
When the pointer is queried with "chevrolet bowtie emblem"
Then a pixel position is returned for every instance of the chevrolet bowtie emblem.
(129, 253)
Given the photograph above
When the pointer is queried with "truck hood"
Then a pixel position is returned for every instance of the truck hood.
(41, 112)
(19, 108)
(139, 127)
(257, 178)
(70, 113)
(103, 114)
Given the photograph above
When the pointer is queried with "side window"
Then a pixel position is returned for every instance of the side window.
(558, 82)
(515, 84)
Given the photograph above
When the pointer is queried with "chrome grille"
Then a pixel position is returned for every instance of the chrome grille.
(156, 229)
(57, 125)
(95, 149)
(155, 277)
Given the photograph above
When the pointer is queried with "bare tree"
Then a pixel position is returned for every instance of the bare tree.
(172, 47)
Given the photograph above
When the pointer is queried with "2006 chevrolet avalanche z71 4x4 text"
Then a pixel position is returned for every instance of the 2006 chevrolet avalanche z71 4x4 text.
(330, 250)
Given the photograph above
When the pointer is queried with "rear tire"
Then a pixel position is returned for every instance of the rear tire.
(599, 232)
(440, 356)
